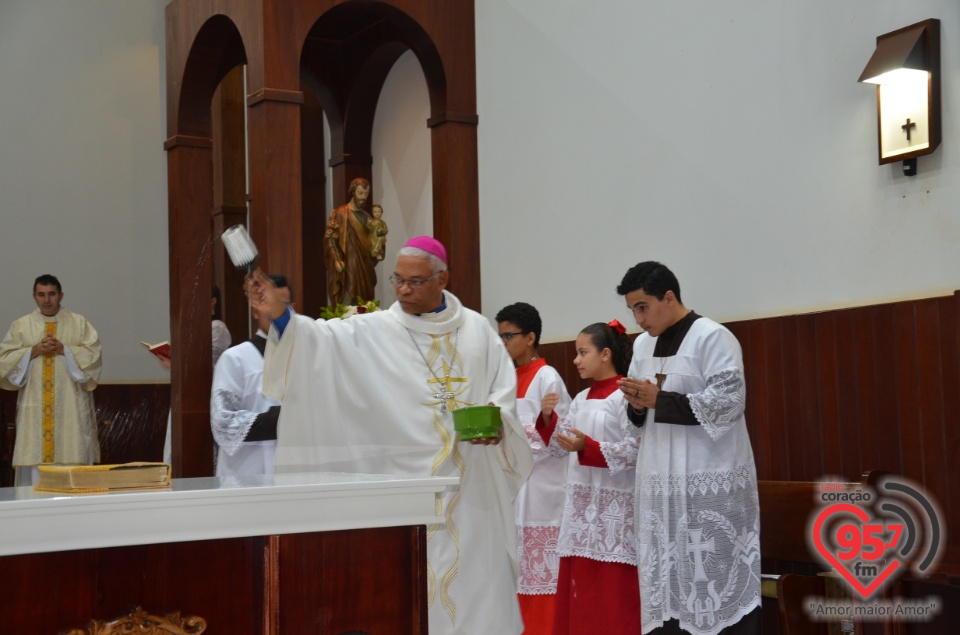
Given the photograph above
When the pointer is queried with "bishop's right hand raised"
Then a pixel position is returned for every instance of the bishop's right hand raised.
(262, 294)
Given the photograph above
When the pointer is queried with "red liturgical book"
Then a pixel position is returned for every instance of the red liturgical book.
(160, 350)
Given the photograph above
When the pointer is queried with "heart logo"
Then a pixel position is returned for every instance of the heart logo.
(834, 558)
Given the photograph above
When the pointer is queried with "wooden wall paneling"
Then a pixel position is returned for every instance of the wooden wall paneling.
(889, 426)
(132, 421)
(271, 585)
(847, 356)
(929, 396)
(335, 582)
(773, 398)
(808, 391)
(869, 371)
(551, 353)
(219, 580)
(950, 369)
(946, 622)
(560, 355)
(47, 592)
(826, 361)
(50, 592)
(8, 435)
(131, 424)
(760, 420)
(801, 444)
(758, 414)
(905, 374)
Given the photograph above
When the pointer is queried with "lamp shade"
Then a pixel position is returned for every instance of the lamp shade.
(906, 69)
(904, 48)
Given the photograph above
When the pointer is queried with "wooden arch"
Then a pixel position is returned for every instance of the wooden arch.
(303, 58)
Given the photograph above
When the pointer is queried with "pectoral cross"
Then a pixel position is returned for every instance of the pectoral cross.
(447, 394)
(661, 377)
(907, 127)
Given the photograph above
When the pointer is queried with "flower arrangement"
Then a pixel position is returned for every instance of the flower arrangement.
(344, 311)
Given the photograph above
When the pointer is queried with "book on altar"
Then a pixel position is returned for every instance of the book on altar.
(80, 479)
(161, 350)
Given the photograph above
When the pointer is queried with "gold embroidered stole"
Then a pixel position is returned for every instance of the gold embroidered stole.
(49, 387)
(447, 397)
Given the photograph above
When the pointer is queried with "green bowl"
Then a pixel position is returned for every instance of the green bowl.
(477, 422)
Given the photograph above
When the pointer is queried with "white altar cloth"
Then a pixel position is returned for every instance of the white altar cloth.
(211, 508)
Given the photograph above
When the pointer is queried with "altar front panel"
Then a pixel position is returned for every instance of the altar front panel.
(286, 554)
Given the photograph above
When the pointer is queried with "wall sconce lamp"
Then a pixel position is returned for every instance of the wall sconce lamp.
(906, 69)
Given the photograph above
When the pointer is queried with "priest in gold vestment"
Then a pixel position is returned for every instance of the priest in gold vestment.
(52, 357)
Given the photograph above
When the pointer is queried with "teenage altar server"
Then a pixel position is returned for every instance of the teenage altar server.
(539, 504)
(698, 521)
(598, 590)
(375, 394)
(242, 419)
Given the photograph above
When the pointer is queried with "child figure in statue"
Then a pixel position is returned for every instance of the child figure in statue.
(377, 231)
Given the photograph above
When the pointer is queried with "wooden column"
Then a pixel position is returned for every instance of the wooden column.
(456, 209)
(346, 48)
(313, 204)
(189, 170)
(229, 196)
(275, 199)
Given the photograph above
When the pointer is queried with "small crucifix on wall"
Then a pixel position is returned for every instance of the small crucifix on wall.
(907, 127)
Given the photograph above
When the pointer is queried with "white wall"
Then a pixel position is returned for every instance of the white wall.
(729, 140)
(82, 169)
(402, 178)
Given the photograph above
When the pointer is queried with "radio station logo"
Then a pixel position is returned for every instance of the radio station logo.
(871, 537)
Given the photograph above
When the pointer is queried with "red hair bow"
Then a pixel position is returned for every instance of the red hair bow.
(616, 326)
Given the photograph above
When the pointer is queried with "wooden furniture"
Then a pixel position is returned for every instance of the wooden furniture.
(785, 509)
(791, 590)
(132, 423)
(260, 555)
(139, 621)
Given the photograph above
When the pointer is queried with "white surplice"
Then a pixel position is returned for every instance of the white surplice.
(236, 399)
(698, 523)
(539, 505)
(366, 395)
(75, 375)
(598, 513)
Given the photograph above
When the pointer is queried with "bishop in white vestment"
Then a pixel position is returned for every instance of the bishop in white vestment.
(375, 393)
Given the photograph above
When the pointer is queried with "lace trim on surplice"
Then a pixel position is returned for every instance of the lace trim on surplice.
(539, 561)
(598, 524)
(721, 405)
(699, 548)
(230, 424)
(702, 482)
